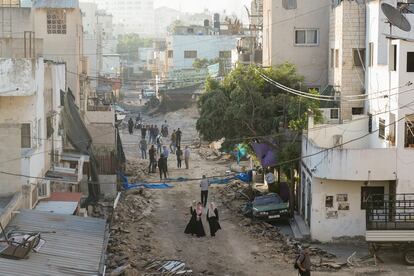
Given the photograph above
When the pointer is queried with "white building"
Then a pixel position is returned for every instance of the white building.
(343, 164)
(30, 136)
(133, 16)
(297, 31)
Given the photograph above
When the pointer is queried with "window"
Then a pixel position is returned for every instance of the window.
(359, 57)
(371, 54)
(49, 126)
(393, 58)
(289, 4)
(332, 58)
(56, 21)
(170, 54)
(225, 54)
(336, 58)
(357, 110)
(381, 128)
(190, 54)
(26, 136)
(373, 195)
(409, 132)
(410, 61)
(334, 113)
(307, 37)
(39, 132)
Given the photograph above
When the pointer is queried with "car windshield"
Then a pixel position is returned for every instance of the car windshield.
(269, 199)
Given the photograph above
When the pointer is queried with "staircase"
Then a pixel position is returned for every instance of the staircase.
(299, 228)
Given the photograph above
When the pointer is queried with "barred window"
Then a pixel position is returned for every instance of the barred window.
(56, 21)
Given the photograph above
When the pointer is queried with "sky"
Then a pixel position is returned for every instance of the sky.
(231, 6)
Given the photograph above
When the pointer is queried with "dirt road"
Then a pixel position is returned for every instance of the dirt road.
(232, 251)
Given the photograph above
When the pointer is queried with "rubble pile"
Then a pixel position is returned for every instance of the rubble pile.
(279, 246)
(136, 170)
(129, 247)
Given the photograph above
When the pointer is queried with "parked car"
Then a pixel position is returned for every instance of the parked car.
(149, 92)
(269, 207)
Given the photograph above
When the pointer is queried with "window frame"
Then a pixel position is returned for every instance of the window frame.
(24, 138)
(410, 67)
(373, 188)
(358, 55)
(187, 54)
(53, 26)
(170, 54)
(371, 54)
(381, 128)
(408, 130)
(337, 113)
(224, 54)
(306, 30)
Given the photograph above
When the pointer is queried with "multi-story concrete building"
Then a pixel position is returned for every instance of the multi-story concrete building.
(134, 16)
(370, 156)
(297, 32)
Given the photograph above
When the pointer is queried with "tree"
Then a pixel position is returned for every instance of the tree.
(129, 44)
(199, 63)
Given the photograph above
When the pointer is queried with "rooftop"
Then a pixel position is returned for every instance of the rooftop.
(57, 4)
(74, 245)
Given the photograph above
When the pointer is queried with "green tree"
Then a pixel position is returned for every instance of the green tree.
(199, 63)
(129, 44)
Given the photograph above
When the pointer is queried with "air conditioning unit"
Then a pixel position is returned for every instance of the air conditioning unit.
(43, 189)
(337, 141)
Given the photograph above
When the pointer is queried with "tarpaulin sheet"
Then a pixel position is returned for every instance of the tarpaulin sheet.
(128, 186)
(265, 154)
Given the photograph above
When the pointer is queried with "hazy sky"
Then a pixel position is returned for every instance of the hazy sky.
(231, 6)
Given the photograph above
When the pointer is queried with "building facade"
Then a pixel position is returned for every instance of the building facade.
(297, 31)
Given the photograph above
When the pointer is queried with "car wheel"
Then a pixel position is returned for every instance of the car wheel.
(409, 256)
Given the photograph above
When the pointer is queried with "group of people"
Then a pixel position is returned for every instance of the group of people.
(195, 225)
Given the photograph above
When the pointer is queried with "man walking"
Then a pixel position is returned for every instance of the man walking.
(303, 262)
(143, 131)
(173, 142)
(143, 148)
(187, 157)
(162, 166)
(178, 135)
(204, 184)
(153, 161)
(158, 141)
(130, 126)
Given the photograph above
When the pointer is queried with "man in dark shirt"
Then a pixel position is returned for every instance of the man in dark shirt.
(178, 135)
(153, 161)
(304, 262)
(162, 166)
(143, 131)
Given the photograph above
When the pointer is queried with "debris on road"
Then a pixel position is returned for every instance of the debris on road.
(168, 267)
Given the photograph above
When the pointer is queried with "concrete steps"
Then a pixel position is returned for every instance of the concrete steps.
(299, 228)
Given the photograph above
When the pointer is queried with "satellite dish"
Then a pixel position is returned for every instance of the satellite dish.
(395, 17)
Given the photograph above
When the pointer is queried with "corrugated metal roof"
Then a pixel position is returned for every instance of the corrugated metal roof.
(56, 4)
(75, 249)
(57, 207)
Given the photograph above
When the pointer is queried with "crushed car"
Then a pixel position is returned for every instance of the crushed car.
(268, 207)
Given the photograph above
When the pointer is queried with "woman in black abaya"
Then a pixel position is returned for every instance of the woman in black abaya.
(199, 228)
(213, 219)
(190, 229)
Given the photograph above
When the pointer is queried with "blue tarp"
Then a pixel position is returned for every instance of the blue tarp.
(128, 186)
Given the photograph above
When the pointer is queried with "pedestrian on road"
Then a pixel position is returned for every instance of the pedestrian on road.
(162, 166)
(159, 143)
(173, 144)
(166, 153)
(151, 135)
(271, 181)
(303, 262)
(140, 99)
(143, 131)
(152, 153)
(187, 157)
(204, 184)
(178, 135)
(213, 219)
(143, 148)
(179, 154)
(191, 226)
(130, 126)
(199, 228)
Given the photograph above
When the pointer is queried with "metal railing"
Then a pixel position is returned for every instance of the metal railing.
(390, 212)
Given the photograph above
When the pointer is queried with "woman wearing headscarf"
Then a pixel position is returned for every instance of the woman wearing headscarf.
(190, 229)
(213, 219)
(199, 228)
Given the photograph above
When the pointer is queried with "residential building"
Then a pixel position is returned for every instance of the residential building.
(297, 31)
(370, 156)
(31, 140)
(134, 16)
(347, 58)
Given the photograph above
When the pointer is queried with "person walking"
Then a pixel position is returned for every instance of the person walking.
(303, 262)
(140, 99)
(130, 126)
(158, 140)
(151, 135)
(173, 142)
(166, 153)
(162, 166)
(187, 157)
(143, 131)
(213, 219)
(152, 153)
(190, 228)
(199, 228)
(179, 154)
(204, 184)
(178, 135)
(143, 148)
